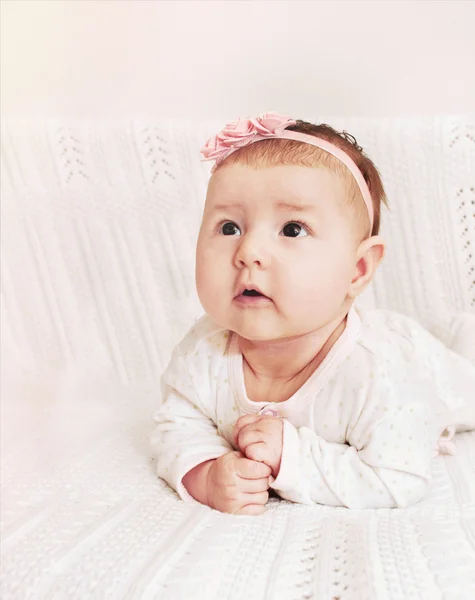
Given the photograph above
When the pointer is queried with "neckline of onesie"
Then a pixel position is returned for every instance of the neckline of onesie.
(302, 396)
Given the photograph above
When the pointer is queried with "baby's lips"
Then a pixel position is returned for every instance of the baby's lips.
(250, 287)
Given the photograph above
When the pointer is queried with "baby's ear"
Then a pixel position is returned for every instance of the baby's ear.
(368, 256)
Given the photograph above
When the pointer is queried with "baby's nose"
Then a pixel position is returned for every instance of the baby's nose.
(252, 251)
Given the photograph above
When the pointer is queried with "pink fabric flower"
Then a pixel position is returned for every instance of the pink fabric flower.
(241, 132)
(271, 123)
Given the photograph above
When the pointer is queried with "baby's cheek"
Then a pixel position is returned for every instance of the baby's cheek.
(206, 280)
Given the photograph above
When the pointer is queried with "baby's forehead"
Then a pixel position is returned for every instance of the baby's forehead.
(277, 184)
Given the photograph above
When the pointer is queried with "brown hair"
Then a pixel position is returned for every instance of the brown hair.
(282, 151)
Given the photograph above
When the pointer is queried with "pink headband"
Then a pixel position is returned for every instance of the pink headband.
(272, 125)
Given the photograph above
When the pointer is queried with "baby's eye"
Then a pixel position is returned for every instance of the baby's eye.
(294, 229)
(230, 228)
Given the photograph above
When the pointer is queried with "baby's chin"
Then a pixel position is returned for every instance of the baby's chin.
(268, 340)
(265, 324)
(252, 337)
(260, 332)
(256, 332)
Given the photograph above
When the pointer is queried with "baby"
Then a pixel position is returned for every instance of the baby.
(284, 384)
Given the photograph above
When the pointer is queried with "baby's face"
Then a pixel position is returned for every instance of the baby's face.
(284, 231)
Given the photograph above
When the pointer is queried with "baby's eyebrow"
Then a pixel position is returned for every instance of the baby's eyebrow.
(295, 207)
(226, 206)
(289, 206)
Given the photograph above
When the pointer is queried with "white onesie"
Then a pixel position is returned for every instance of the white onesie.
(362, 430)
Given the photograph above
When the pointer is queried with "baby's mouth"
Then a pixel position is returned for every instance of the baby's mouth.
(251, 296)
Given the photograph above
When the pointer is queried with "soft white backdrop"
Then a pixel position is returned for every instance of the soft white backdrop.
(223, 58)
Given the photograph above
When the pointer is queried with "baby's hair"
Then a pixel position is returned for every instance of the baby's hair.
(290, 152)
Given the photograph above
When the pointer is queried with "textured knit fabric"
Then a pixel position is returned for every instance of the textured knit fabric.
(362, 430)
(84, 517)
(99, 224)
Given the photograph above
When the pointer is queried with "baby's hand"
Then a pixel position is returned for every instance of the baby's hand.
(238, 485)
(260, 438)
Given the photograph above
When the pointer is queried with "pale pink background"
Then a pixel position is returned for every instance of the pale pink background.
(222, 58)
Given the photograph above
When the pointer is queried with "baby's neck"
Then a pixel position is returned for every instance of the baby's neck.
(289, 358)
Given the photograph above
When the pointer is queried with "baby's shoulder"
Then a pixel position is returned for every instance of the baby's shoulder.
(197, 360)
(388, 334)
(205, 340)
(390, 365)
(389, 348)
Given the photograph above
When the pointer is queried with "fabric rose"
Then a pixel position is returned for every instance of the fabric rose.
(241, 132)
(271, 123)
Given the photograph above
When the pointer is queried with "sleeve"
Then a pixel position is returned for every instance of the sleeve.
(185, 434)
(462, 336)
(387, 467)
(454, 375)
(414, 388)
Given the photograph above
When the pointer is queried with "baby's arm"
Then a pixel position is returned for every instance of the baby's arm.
(391, 441)
(183, 438)
(385, 464)
(195, 460)
(196, 481)
(390, 468)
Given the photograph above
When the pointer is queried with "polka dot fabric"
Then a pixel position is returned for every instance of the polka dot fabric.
(360, 433)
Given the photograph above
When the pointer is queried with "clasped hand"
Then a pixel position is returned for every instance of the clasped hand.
(259, 438)
(238, 482)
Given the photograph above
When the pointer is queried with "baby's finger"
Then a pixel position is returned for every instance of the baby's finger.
(253, 486)
(247, 420)
(248, 436)
(258, 498)
(258, 451)
(242, 422)
(249, 469)
(251, 510)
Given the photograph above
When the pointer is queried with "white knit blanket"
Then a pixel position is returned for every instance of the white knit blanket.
(98, 229)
